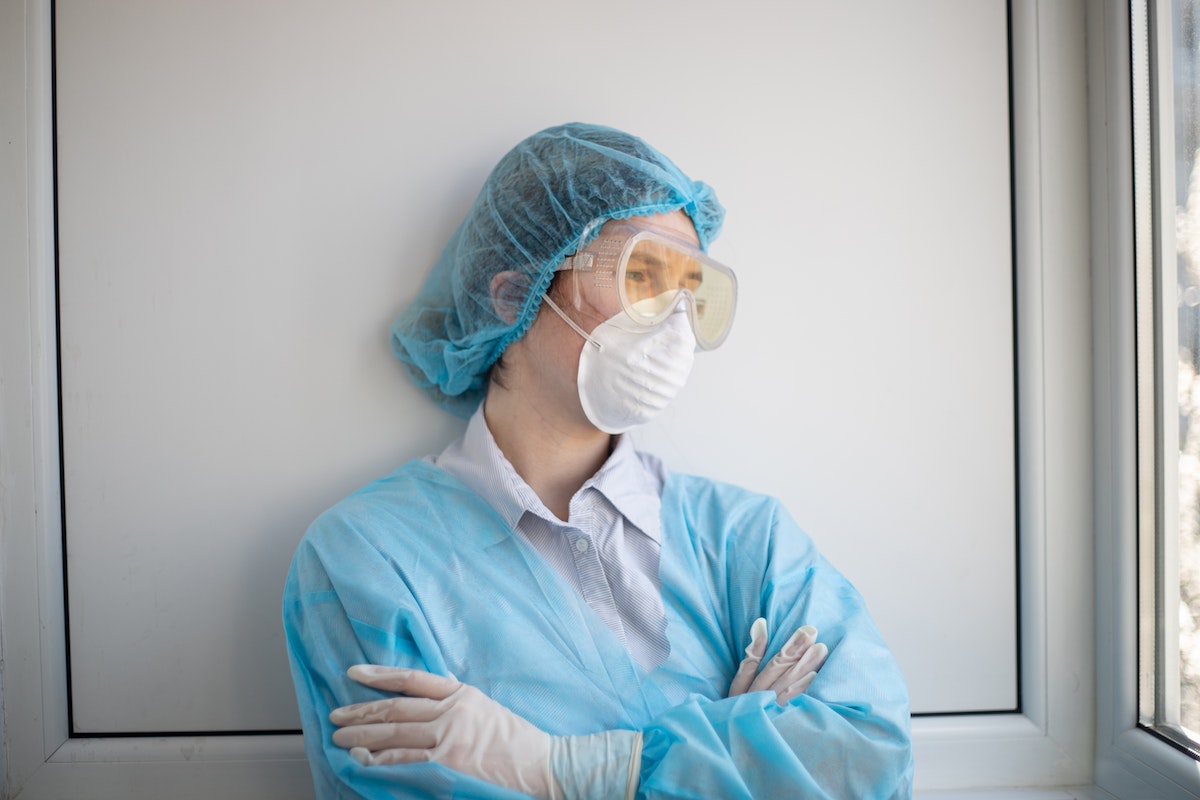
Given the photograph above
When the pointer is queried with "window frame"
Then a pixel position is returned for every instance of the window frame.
(1130, 760)
(1049, 743)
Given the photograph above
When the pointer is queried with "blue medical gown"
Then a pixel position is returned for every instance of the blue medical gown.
(416, 570)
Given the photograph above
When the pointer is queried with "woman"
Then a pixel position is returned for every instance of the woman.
(541, 610)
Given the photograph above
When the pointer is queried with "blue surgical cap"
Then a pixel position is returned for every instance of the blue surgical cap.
(535, 208)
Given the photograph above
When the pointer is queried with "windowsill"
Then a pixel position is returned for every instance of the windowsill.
(1058, 793)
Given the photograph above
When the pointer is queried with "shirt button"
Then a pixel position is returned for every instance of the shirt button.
(581, 545)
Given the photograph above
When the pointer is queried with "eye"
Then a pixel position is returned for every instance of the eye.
(635, 276)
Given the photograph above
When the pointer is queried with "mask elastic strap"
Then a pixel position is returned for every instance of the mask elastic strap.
(571, 322)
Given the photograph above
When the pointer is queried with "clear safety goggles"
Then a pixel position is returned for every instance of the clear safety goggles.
(654, 274)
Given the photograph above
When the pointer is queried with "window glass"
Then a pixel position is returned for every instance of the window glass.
(1166, 96)
(1185, 88)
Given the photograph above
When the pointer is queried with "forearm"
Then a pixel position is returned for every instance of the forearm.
(746, 746)
(603, 766)
(750, 747)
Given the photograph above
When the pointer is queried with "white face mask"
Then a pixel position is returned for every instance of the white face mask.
(628, 375)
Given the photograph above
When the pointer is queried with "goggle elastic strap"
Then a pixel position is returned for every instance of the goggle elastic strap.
(581, 261)
(571, 322)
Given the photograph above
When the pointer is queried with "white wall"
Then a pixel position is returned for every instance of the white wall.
(14, 251)
(249, 192)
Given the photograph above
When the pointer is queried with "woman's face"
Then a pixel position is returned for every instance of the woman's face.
(550, 349)
(588, 304)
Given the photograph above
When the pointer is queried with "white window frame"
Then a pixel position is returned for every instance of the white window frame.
(1130, 761)
(1048, 744)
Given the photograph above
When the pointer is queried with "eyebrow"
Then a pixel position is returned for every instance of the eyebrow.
(648, 260)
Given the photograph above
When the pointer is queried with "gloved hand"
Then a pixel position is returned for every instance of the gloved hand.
(789, 673)
(440, 719)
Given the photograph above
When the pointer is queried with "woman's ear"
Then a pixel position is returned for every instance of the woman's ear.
(509, 291)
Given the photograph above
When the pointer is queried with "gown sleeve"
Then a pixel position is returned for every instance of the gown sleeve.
(330, 628)
(846, 737)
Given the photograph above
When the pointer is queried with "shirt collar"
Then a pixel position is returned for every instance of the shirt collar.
(624, 480)
(634, 490)
(476, 460)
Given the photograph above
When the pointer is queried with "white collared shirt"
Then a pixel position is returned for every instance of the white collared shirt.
(608, 548)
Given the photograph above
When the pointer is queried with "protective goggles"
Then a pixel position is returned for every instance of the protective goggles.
(654, 273)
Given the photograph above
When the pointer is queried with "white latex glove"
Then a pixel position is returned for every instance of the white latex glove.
(440, 719)
(789, 673)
